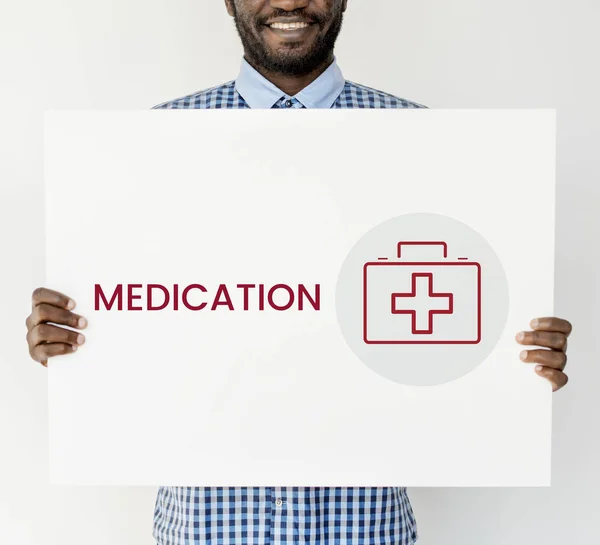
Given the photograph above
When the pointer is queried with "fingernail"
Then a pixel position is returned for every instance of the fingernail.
(70, 304)
(523, 355)
(535, 322)
(82, 322)
(520, 336)
(80, 339)
(73, 347)
(538, 367)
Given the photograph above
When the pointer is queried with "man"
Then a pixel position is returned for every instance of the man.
(288, 63)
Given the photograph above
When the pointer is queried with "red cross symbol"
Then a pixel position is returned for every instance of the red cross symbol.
(422, 303)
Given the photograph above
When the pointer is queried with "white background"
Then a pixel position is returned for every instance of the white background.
(465, 53)
(209, 382)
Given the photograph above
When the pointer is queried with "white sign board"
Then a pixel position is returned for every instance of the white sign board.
(274, 297)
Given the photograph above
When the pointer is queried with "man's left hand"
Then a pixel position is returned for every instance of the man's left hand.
(551, 334)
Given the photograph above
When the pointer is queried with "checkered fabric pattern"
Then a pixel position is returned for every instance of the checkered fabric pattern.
(274, 515)
(279, 515)
(226, 96)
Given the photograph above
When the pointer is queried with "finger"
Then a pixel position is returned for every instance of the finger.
(557, 378)
(45, 295)
(547, 339)
(46, 333)
(42, 352)
(547, 358)
(45, 312)
(552, 324)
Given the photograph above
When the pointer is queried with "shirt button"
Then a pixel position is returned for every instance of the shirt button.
(288, 103)
(278, 502)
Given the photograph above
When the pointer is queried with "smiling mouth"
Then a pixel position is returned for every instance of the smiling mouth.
(289, 26)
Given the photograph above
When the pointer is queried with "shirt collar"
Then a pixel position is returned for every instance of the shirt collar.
(259, 92)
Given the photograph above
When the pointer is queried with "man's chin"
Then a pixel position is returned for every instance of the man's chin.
(298, 47)
(290, 58)
(290, 65)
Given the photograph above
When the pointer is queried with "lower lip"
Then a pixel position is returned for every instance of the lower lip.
(295, 34)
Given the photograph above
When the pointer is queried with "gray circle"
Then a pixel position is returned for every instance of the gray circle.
(422, 299)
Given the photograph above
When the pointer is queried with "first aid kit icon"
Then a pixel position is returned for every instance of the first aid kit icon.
(435, 301)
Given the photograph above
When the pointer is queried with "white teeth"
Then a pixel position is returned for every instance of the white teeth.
(289, 26)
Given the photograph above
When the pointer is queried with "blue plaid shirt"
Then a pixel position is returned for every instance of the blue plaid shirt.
(285, 515)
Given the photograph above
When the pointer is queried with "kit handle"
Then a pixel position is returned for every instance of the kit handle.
(422, 243)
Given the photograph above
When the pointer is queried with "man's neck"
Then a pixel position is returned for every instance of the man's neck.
(291, 85)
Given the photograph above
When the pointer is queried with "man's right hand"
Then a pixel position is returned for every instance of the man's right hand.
(46, 340)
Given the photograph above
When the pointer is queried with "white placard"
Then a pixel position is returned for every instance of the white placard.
(266, 397)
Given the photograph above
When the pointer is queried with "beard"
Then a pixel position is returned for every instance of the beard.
(291, 60)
